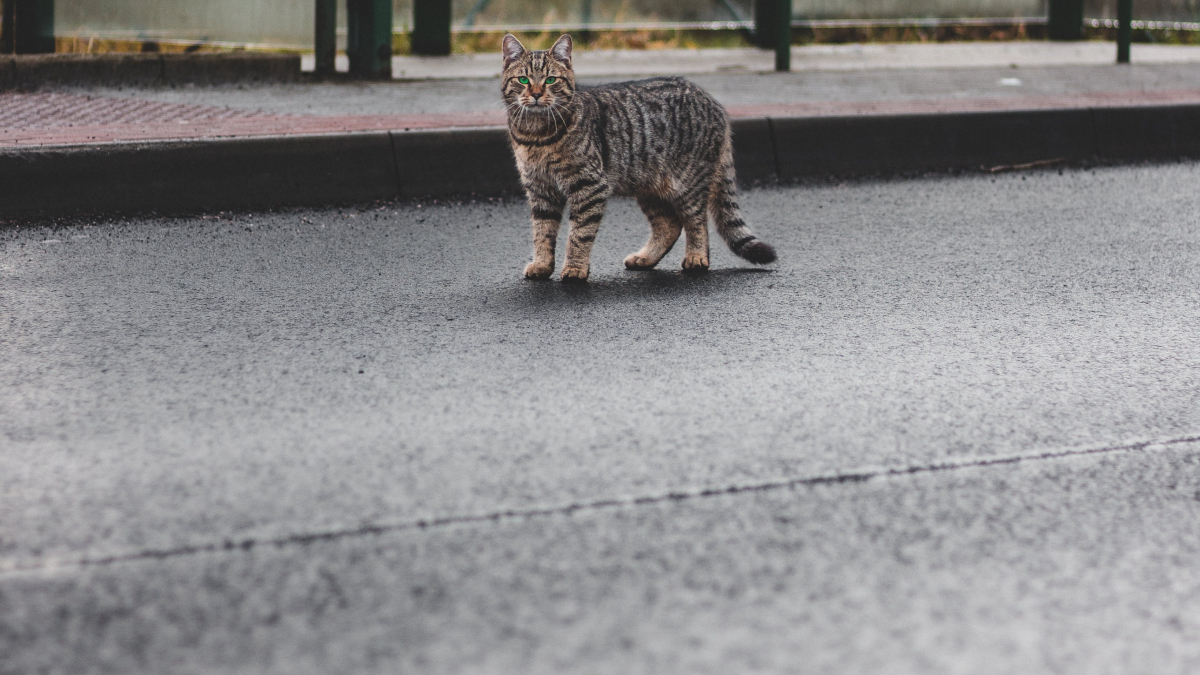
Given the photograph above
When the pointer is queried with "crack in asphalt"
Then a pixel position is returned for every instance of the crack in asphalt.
(854, 476)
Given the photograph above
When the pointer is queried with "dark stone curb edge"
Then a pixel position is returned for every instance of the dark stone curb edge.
(252, 173)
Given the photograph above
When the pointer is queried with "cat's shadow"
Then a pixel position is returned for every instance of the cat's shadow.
(627, 286)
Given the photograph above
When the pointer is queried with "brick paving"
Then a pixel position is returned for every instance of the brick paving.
(57, 110)
(49, 119)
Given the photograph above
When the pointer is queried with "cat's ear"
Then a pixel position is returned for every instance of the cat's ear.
(512, 48)
(562, 49)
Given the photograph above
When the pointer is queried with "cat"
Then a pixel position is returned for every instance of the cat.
(664, 141)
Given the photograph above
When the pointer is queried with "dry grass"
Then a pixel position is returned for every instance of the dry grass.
(1166, 36)
(82, 44)
(473, 42)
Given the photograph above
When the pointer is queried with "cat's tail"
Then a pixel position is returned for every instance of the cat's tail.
(723, 206)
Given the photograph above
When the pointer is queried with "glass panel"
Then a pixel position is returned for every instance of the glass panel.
(1146, 10)
(289, 23)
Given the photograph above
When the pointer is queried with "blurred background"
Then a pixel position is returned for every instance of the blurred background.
(193, 25)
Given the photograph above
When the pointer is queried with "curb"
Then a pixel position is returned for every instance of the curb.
(145, 70)
(266, 172)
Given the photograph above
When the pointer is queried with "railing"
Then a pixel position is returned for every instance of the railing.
(772, 26)
(28, 26)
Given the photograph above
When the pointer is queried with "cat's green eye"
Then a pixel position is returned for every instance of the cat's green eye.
(523, 80)
(550, 80)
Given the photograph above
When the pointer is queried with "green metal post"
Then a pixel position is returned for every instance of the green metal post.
(6, 26)
(766, 23)
(325, 36)
(1124, 29)
(431, 27)
(28, 26)
(1066, 20)
(369, 37)
(585, 18)
(783, 39)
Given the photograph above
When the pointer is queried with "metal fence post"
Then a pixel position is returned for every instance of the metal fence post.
(783, 38)
(1124, 29)
(431, 27)
(1066, 20)
(6, 26)
(585, 18)
(325, 36)
(766, 23)
(369, 37)
(28, 27)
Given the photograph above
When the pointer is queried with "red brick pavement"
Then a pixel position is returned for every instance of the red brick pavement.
(29, 120)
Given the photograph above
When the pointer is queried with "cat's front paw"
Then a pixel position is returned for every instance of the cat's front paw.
(695, 262)
(538, 270)
(574, 273)
(637, 261)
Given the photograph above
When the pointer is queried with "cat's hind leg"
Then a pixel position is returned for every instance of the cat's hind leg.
(695, 224)
(665, 227)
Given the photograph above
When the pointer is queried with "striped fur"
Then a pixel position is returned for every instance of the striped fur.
(664, 141)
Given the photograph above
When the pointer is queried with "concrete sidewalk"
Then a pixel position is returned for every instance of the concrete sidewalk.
(1061, 101)
(71, 117)
(827, 81)
(808, 58)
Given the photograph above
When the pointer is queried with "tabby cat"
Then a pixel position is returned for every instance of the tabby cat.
(664, 141)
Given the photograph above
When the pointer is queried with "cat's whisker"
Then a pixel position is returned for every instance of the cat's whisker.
(554, 109)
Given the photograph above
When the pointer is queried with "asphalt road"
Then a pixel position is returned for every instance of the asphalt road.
(956, 428)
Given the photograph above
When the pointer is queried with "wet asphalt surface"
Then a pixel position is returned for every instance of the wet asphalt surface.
(956, 428)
